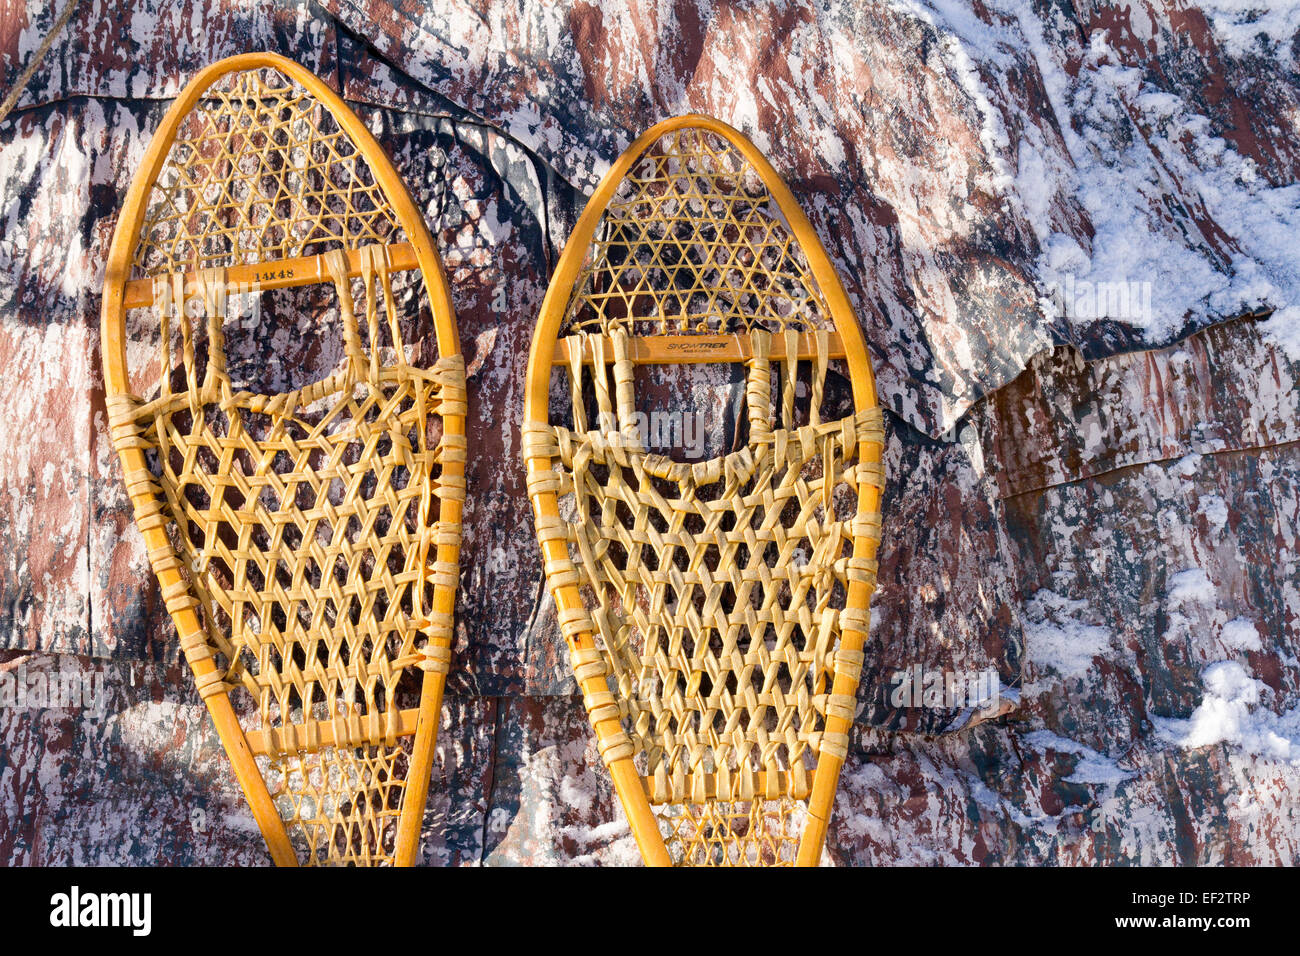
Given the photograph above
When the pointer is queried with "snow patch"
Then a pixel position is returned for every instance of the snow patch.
(1230, 714)
(1055, 637)
(1240, 634)
(1245, 26)
(1094, 768)
(1099, 771)
(1131, 144)
(1215, 510)
(1192, 586)
(1282, 328)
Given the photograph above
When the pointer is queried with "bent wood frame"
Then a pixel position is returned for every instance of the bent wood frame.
(121, 294)
(548, 351)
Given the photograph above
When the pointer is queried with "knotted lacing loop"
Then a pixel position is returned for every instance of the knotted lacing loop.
(561, 572)
(821, 361)
(124, 421)
(444, 574)
(172, 303)
(822, 341)
(834, 745)
(615, 747)
(855, 619)
(336, 263)
(374, 264)
(624, 391)
(616, 419)
(551, 528)
(758, 392)
(574, 622)
(601, 705)
(539, 442)
(577, 346)
(211, 288)
(848, 662)
(449, 374)
(871, 425)
(588, 663)
(758, 387)
(789, 377)
(165, 308)
(867, 525)
(605, 419)
(169, 303)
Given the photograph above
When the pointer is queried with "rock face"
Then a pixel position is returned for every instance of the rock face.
(1054, 221)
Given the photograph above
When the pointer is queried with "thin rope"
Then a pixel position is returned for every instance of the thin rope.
(25, 77)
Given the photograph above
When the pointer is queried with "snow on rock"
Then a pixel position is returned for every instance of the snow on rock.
(1283, 327)
(1192, 586)
(1093, 767)
(1231, 714)
(1247, 26)
(1058, 639)
(1240, 634)
(1215, 510)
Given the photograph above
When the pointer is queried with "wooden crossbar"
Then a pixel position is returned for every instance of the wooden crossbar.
(697, 349)
(279, 273)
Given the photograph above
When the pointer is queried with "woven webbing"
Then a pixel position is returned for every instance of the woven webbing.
(342, 802)
(693, 243)
(259, 171)
(305, 524)
(740, 833)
